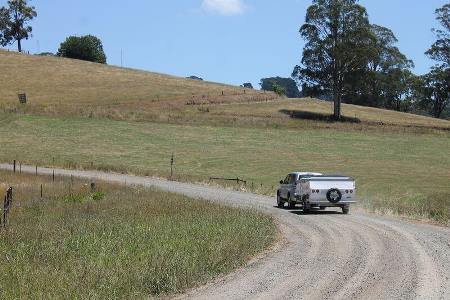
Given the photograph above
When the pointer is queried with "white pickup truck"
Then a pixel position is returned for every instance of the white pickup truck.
(315, 190)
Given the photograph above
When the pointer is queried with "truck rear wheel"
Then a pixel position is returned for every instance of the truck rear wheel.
(306, 207)
(280, 202)
(345, 210)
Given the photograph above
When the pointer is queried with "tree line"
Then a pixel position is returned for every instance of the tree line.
(346, 58)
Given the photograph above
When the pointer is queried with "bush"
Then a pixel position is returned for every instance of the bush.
(87, 48)
(98, 196)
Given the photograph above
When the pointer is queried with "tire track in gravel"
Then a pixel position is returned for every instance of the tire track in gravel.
(323, 255)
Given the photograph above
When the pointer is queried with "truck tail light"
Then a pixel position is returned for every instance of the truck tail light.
(313, 191)
(317, 191)
(346, 191)
(351, 191)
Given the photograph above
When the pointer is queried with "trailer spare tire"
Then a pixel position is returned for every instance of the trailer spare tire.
(334, 196)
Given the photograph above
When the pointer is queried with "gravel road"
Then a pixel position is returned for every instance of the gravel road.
(323, 255)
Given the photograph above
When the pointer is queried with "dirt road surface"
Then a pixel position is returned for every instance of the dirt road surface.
(323, 255)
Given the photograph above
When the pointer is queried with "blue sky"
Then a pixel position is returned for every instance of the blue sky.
(229, 41)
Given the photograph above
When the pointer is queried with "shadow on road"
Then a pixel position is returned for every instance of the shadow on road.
(314, 212)
(311, 212)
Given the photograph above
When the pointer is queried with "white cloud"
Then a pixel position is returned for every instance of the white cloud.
(224, 7)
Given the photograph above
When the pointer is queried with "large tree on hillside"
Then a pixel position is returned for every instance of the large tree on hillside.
(337, 34)
(384, 82)
(435, 91)
(86, 47)
(14, 21)
(440, 50)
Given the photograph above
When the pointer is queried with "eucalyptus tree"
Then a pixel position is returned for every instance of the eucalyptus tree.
(436, 84)
(389, 71)
(435, 91)
(440, 50)
(338, 44)
(14, 22)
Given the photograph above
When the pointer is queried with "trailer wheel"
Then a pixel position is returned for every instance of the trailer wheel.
(345, 210)
(280, 202)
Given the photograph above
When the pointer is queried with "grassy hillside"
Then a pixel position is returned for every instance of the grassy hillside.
(65, 86)
(404, 173)
(121, 243)
(86, 112)
(57, 86)
(294, 112)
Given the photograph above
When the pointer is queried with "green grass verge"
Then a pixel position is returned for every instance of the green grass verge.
(402, 172)
(118, 243)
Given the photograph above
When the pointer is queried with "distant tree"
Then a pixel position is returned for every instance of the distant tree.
(46, 54)
(280, 85)
(14, 21)
(435, 91)
(440, 50)
(87, 48)
(247, 85)
(195, 78)
(337, 34)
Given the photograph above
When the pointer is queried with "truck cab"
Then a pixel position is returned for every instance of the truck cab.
(286, 192)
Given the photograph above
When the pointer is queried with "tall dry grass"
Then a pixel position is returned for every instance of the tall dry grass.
(118, 242)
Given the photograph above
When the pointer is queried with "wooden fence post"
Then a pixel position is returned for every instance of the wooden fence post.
(171, 166)
(7, 205)
(4, 212)
(14, 166)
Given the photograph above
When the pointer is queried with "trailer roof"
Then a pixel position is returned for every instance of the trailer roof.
(330, 177)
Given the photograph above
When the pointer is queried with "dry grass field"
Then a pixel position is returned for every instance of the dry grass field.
(62, 86)
(119, 242)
